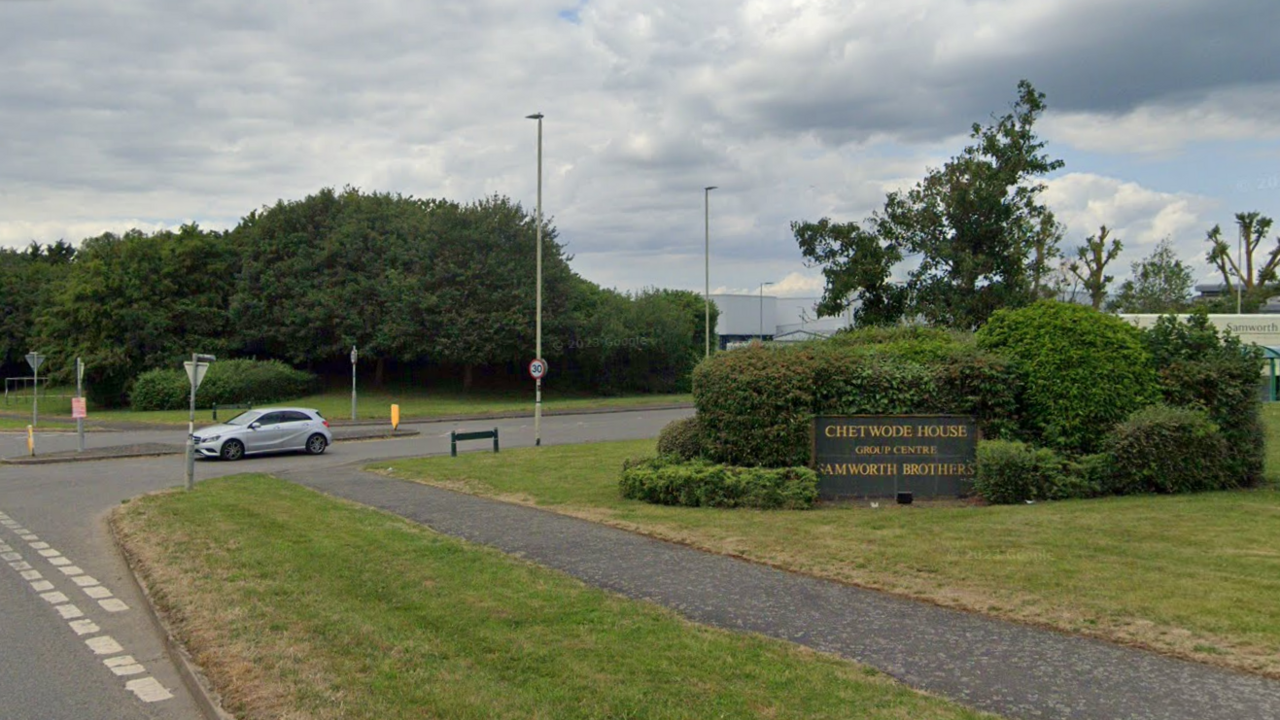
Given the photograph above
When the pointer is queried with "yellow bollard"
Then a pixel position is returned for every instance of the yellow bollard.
(31, 440)
(395, 417)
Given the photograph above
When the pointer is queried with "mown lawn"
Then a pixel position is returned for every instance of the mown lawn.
(297, 605)
(1193, 575)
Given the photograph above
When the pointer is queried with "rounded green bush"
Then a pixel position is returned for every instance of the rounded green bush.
(1010, 472)
(681, 438)
(1163, 449)
(1082, 371)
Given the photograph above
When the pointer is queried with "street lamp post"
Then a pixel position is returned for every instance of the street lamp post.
(1239, 275)
(706, 212)
(537, 403)
(762, 309)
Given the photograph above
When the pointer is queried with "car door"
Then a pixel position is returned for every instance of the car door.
(295, 430)
(267, 434)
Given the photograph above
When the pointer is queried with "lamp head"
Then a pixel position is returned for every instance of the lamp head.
(535, 116)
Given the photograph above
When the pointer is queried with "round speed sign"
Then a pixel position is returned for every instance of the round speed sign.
(537, 369)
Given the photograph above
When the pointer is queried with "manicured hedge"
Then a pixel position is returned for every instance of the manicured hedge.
(664, 480)
(1082, 371)
(1163, 449)
(226, 382)
(1009, 471)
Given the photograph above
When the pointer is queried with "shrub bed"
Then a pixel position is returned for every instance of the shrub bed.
(664, 480)
(756, 403)
(227, 382)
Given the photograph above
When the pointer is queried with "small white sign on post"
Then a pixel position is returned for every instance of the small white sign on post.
(78, 409)
(195, 372)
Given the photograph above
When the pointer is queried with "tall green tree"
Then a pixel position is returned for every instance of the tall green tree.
(138, 301)
(1095, 255)
(1160, 283)
(1252, 229)
(979, 235)
(27, 280)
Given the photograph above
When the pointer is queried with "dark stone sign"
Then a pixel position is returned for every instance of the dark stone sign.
(882, 455)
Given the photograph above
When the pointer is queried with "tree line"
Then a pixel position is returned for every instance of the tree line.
(973, 237)
(413, 283)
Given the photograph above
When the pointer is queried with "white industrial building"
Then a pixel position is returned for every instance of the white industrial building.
(767, 317)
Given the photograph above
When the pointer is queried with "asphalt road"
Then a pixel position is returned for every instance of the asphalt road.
(74, 642)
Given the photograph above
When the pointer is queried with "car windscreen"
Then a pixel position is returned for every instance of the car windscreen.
(244, 418)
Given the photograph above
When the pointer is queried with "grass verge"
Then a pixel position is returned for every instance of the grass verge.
(376, 405)
(300, 606)
(1191, 575)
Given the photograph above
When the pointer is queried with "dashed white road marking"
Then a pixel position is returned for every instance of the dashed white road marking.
(148, 689)
(69, 611)
(113, 605)
(104, 645)
(124, 665)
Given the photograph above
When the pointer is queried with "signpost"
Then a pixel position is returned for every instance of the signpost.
(77, 404)
(354, 356)
(196, 368)
(537, 368)
(35, 360)
(884, 455)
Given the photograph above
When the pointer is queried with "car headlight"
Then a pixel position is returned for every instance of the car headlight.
(211, 438)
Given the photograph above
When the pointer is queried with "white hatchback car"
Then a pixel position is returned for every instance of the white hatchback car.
(265, 430)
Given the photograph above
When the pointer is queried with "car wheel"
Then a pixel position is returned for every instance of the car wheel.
(316, 444)
(232, 450)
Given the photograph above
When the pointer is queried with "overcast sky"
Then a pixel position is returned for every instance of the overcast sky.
(142, 113)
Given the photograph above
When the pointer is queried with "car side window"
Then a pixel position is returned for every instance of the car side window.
(295, 416)
(273, 418)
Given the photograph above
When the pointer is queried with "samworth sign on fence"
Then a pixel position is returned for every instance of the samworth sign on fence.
(1261, 330)
(882, 455)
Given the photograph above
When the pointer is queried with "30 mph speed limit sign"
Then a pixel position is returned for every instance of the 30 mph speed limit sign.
(537, 369)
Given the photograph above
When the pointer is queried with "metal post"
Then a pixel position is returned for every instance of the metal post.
(706, 293)
(35, 396)
(762, 309)
(191, 433)
(537, 403)
(80, 395)
(354, 356)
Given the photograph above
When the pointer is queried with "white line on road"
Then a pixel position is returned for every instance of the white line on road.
(124, 665)
(84, 627)
(148, 689)
(97, 592)
(104, 645)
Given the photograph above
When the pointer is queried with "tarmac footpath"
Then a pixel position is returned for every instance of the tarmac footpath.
(1013, 670)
